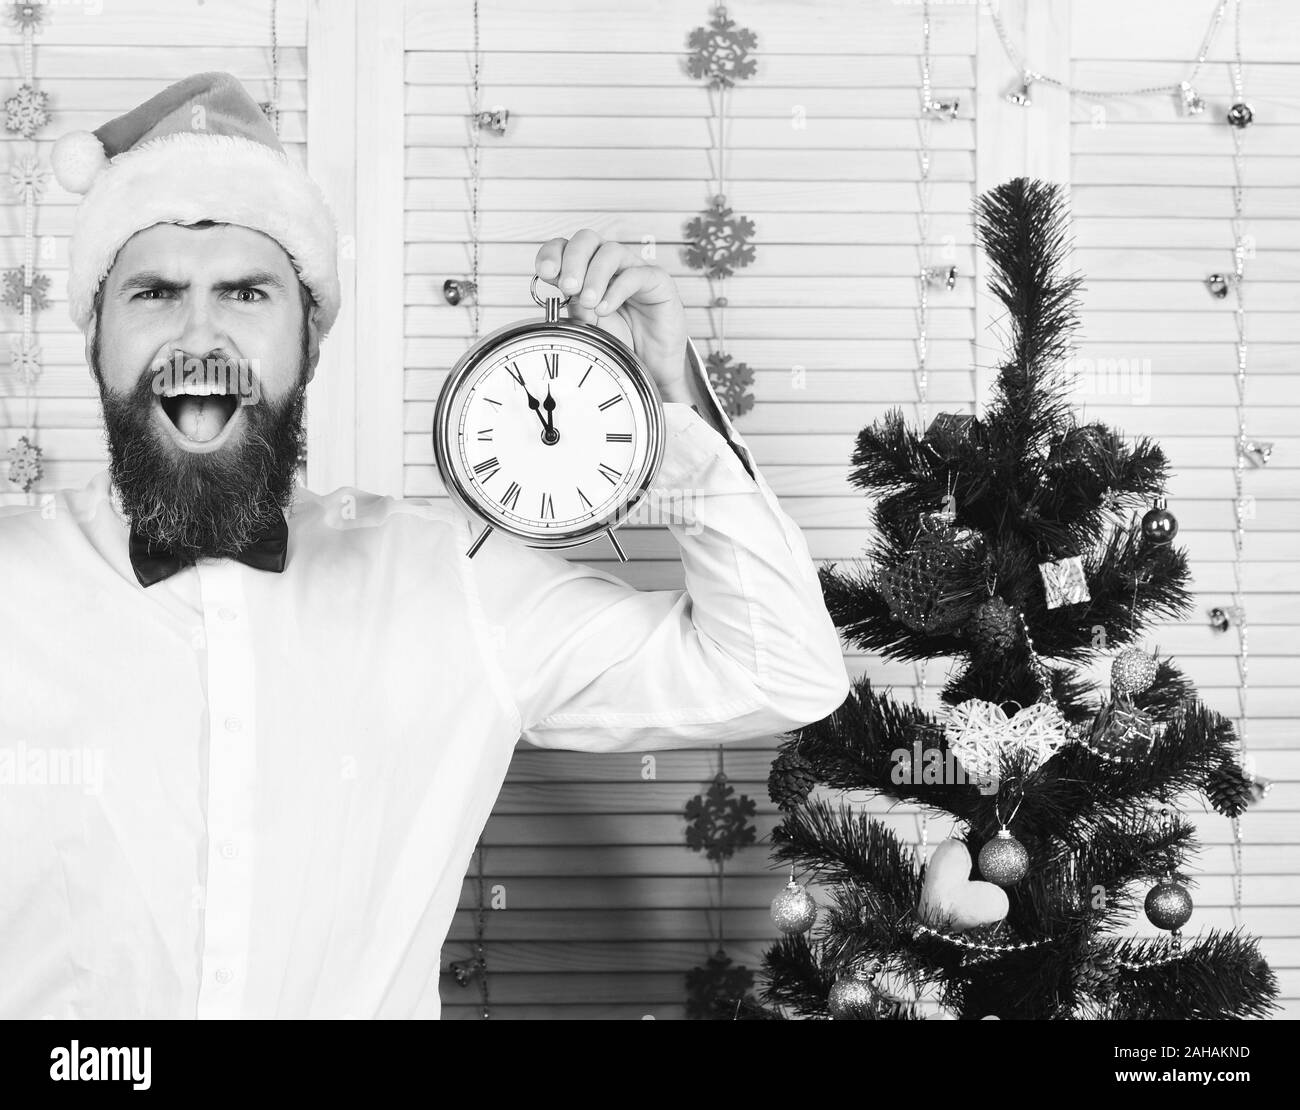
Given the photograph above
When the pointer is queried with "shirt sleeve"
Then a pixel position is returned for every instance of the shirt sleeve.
(746, 650)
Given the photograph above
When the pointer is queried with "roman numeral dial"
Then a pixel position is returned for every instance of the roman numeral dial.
(552, 435)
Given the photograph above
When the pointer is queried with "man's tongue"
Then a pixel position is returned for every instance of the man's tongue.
(200, 418)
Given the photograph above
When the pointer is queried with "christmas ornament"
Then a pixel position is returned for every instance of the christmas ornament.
(24, 358)
(719, 820)
(1241, 115)
(1133, 671)
(936, 276)
(983, 737)
(1159, 525)
(26, 175)
(1192, 104)
(918, 590)
(1004, 860)
(1121, 732)
(25, 467)
(941, 109)
(1018, 94)
(790, 779)
(1257, 452)
(1218, 285)
(1168, 905)
(719, 240)
(1220, 619)
(495, 120)
(851, 997)
(15, 289)
(459, 291)
(730, 381)
(1232, 791)
(27, 111)
(27, 16)
(1064, 582)
(953, 425)
(994, 625)
(951, 899)
(721, 51)
(793, 910)
(1096, 974)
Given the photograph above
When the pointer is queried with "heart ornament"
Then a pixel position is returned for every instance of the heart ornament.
(950, 899)
(981, 734)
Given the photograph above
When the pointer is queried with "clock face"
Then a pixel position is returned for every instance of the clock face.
(551, 436)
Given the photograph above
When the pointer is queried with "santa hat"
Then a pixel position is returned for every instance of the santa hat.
(201, 149)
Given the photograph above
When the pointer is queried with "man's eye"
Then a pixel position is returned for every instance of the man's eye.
(152, 294)
(249, 295)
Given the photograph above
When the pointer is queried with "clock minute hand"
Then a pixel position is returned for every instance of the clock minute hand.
(535, 405)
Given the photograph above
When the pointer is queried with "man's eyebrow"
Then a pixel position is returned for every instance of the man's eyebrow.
(257, 277)
(151, 279)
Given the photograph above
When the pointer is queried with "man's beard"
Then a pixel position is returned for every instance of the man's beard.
(198, 504)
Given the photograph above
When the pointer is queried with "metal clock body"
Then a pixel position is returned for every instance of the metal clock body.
(549, 430)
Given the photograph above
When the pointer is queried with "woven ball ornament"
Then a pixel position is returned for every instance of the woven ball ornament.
(1168, 905)
(1133, 671)
(793, 910)
(1004, 860)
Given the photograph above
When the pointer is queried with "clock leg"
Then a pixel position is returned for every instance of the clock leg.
(617, 549)
(483, 535)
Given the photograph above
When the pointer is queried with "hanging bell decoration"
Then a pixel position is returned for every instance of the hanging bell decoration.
(1220, 620)
(1192, 104)
(493, 119)
(1218, 285)
(936, 276)
(1241, 115)
(459, 291)
(1018, 94)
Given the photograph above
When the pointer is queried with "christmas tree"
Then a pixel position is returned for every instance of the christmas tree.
(1024, 546)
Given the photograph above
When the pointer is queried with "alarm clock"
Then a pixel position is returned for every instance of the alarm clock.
(549, 430)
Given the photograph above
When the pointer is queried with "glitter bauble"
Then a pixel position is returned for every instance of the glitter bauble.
(851, 997)
(1159, 525)
(1004, 860)
(1168, 905)
(793, 910)
(1133, 671)
(994, 625)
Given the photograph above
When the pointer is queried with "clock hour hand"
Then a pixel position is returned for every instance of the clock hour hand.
(535, 405)
(549, 406)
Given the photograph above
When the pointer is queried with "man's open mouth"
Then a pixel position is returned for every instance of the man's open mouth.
(199, 412)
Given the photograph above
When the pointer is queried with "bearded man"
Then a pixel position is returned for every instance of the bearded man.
(254, 732)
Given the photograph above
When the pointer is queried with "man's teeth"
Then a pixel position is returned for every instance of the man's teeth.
(196, 389)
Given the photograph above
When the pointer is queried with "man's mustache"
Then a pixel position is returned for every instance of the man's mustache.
(213, 373)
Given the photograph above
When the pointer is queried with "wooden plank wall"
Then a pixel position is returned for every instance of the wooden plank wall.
(606, 908)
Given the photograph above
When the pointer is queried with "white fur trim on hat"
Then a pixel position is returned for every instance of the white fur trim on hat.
(188, 177)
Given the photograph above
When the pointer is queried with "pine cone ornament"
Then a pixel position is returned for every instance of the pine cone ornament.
(790, 779)
(1231, 791)
(994, 625)
(1096, 975)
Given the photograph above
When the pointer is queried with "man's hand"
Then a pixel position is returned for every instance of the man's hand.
(612, 287)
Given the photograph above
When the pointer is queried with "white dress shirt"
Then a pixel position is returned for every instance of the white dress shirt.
(245, 794)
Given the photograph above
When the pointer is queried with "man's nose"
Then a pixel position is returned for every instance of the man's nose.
(202, 329)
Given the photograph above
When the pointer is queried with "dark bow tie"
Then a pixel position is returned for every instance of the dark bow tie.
(267, 552)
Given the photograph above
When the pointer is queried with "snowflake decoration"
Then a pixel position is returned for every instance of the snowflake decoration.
(27, 111)
(26, 15)
(24, 464)
(721, 51)
(25, 358)
(730, 381)
(15, 290)
(720, 821)
(716, 986)
(25, 174)
(719, 240)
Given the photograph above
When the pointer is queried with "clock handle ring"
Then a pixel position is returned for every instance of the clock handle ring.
(532, 289)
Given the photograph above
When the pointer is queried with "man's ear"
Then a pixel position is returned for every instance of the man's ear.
(313, 341)
(90, 347)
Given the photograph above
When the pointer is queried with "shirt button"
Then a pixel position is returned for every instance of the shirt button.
(229, 850)
(226, 613)
(224, 975)
(233, 724)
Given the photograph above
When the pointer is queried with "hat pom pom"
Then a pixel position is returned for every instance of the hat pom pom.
(76, 160)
